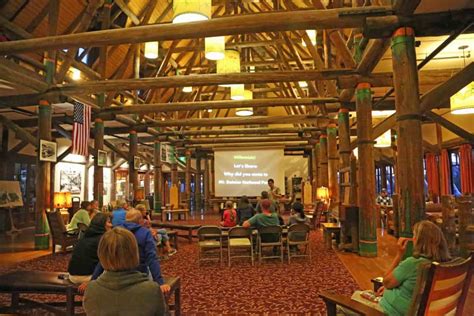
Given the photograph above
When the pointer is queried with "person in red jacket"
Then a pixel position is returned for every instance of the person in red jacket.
(229, 218)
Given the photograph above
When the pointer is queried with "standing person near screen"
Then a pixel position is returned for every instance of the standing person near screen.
(274, 192)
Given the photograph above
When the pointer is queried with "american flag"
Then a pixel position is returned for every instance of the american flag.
(80, 130)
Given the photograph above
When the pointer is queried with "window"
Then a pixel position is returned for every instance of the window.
(378, 179)
(390, 178)
(425, 178)
(455, 173)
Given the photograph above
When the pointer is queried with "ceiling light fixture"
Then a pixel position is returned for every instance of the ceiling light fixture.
(214, 47)
(151, 50)
(463, 101)
(191, 10)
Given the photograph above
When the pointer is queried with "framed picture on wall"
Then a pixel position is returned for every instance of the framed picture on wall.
(101, 158)
(48, 151)
(136, 162)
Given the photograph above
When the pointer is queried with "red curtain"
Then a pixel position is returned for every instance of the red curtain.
(467, 171)
(445, 173)
(432, 175)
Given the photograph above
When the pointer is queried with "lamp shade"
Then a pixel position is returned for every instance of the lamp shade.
(230, 64)
(463, 101)
(385, 140)
(215, 47)
(151, 50)
(312, 36)
(322, 193)
(191, 10)
(62, 199)
(303, 84)
(187, 89)
(244, 111)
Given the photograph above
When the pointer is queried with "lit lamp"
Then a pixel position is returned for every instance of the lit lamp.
(385, 140)
(244, 112)
(75, 74)
(322, 193)
(187, 89)
(237, 92)
(303, 84)
(230, 64)
(191, 10)
(151, 50)
(63, 201)
(463, 101)
(215, 47)
(312, 36)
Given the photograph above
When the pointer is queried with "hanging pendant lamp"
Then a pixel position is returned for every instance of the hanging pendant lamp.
(230, 64)
(463, 101)
(215, 47)
(191, 10)
(383, 141)
(151, 50)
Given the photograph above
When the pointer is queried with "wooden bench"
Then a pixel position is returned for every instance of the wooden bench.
(188, 228)
(328, 230)
(179, 212)
(45, 282)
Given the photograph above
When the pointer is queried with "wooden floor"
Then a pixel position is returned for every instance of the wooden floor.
(364, 269)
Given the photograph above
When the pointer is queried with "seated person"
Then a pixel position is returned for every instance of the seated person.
(264, 196)
(298, 216)
(118, 215)
(81, 216)
(147, 249)
(266, 218)
(121, 289)
(229, 217)
(245, 210)
(94, 209)
(399, 282)
(84, 256)
(160, 235)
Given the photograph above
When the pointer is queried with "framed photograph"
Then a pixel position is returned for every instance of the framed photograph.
(101, 158)
(136, 162)
(48, 151)
(70, 181)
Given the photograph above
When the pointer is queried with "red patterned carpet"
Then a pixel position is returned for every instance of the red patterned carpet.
(268, 289)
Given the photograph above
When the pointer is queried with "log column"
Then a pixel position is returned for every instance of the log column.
(174, 168)
(333, 162)
(187, 179)
(314, 153)
(157, 177)
(366, 185)
(43, 179)
(206, 182)
(344, 138)
(197, 184)
(323, 160)
(133, 173)
(212, 177)
(409, 143)
(98, 170)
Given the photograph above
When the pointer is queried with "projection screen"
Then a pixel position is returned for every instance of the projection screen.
(246, 172)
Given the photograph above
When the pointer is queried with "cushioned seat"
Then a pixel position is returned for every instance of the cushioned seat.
(234, 242)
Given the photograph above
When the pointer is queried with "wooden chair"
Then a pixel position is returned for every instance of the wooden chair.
(210, 238)
(441, 290)
(59, 232)
(270, 236)
(298, 235)
(240, 238)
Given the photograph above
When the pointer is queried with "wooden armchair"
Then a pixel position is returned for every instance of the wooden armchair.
(59, 232)
(441, 289)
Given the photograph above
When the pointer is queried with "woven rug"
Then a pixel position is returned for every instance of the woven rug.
(270, 288)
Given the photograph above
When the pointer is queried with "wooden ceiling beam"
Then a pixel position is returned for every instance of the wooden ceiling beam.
(450, 126)
(88, 87)
(264, 140)
(264, 22)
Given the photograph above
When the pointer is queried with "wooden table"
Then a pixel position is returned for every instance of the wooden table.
(328, 229)
(183, 211)
(188, 228)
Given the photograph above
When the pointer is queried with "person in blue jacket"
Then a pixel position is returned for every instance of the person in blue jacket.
(147, 249)
(118, 215)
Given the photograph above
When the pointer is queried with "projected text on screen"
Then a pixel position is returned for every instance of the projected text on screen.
(246, 172)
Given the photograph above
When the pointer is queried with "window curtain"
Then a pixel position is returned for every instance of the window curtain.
(467, 170)
(445, 173)
(432, 175)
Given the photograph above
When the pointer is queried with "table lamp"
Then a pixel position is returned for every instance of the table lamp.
(62, 201)
(322, 193)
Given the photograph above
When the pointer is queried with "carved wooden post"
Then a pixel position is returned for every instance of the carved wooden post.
(133, 173)
(197, 183)
(317, 149)
(206, 182)
(323, 160)
(314, 153)
(98, 170)
(344, 138)
(43, 178)
(409, 142)
(333, 162)
(366, 185)
(187, 180)
(157, 176)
